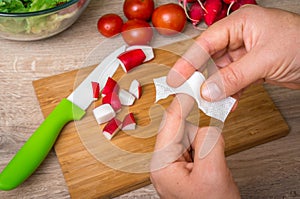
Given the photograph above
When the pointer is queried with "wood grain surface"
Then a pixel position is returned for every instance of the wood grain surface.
(90, 162)
(270, 170)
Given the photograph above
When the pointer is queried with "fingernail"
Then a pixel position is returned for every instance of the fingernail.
(211, 91)
(174, 79)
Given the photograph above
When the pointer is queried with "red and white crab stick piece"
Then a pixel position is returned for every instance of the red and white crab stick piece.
(131, 59)
(104, 113)
(126, 98)
(114, 100)
(129, 122)
(96, 90)
(136, 89)
(135, 56)
(112, 128)
(148, 51)
(110, 86)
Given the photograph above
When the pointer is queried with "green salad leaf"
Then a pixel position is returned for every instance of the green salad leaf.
(37, 5)
(19, 6)
(33, 25)
(12, 6)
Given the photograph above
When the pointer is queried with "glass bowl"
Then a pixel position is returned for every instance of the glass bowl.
(40, 24)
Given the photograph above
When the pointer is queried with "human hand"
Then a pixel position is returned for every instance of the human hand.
(189, 162)
(253, 44)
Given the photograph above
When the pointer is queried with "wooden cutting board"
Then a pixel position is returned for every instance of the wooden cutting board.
(96, 168)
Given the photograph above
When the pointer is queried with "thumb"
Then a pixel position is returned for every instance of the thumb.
(236, 76)
(209, 149)
(169, 147)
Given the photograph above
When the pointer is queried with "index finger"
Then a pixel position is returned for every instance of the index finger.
(217, 37)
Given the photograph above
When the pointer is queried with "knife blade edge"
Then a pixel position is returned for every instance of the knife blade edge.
(82, 96)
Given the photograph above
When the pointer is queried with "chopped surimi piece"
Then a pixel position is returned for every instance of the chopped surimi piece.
(112, 99)
(148, 51)
(111, 128)
(131, 59)
(126, 98)
(110, 86)
(104, 113)
(96, 90)
(136, 89)
(128, 122)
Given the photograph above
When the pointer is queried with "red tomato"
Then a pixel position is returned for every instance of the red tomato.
(138, 9)
(110, 25)
(137, 32)
(169, 19)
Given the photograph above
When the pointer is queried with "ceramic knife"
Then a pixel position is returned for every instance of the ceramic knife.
(37, 147)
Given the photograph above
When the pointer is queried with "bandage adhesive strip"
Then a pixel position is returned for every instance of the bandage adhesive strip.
(218, 110)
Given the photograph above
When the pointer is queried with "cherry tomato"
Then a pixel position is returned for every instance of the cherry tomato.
(138, 9)
(137, 32)
(169, 19)
(110, 25)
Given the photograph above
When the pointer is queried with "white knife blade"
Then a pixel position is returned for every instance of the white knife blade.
(82, 96)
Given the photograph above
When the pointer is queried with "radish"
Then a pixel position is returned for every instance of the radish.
(131, 59)
(196, 13)
(126, 98)
(213, 8)
(189, 1)
(104, 113)
(184, 4)
(136, 89)
(148, 51)
(230, 3)
(111, 128)
(224, 12)
(113, 100)
(96, 90)
(240, 3)
(129, 122)
(110, 87)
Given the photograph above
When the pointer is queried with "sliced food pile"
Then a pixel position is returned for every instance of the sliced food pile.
(113, 97)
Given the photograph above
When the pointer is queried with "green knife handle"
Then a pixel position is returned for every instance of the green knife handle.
(37, 147)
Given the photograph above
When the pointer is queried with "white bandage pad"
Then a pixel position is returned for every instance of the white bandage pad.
(218, 110)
